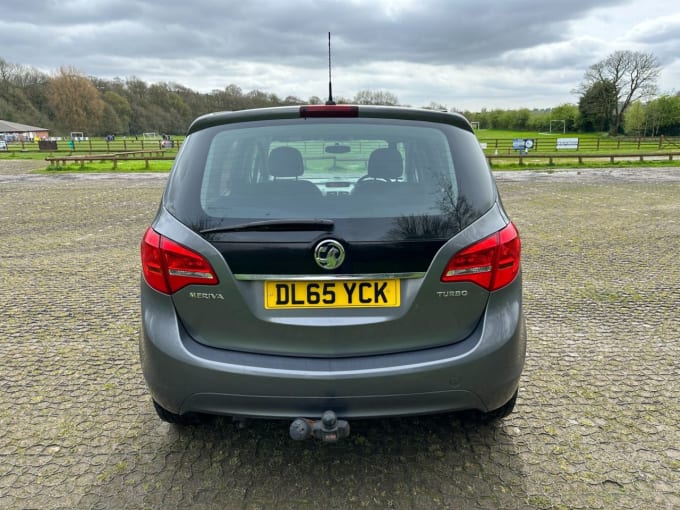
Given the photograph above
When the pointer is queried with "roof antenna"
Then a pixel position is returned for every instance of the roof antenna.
(330, 86)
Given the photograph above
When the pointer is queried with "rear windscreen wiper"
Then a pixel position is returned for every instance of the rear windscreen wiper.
(274, 225)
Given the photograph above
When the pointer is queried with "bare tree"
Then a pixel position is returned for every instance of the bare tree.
(375, 97)
(633, 75)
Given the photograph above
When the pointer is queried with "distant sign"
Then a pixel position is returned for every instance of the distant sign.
(482, 145)
(522, 144)
(567, 143)
(47, 145)
(3, 145)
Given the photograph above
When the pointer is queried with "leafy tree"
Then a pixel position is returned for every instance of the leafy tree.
(22, 94)
(74, 102)
(539, 120)
(121, 109)
(110, 122)
(631, 75)
(634, 120)
(596, 106)
(569, 113)
(518, 119)
(663, 115)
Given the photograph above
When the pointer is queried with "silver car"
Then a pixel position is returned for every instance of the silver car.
(329, 262)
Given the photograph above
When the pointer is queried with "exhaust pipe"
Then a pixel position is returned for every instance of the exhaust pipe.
(328, 429)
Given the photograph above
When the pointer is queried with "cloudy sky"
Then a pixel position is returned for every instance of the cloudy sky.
(465, 54)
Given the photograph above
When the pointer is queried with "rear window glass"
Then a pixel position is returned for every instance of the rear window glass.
(328, 168)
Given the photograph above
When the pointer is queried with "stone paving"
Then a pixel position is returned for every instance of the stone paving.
(597, 420)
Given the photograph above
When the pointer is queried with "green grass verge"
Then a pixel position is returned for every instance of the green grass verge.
(105, 167)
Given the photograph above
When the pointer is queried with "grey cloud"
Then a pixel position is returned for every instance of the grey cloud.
(281, 46)
(438, 32)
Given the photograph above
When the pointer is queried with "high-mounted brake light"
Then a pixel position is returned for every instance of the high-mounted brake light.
(169, 267)
(323, 110)
(491, 263)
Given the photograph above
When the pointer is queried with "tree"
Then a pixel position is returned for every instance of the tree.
(662, 115)
(634, 120)
(74, 102)
(22, 94)
(596, 106)
(568, 113)
(376, 97)
(439, 107)
(631, 74)
(121, 109)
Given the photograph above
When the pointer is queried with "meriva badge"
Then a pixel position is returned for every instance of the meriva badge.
(329, 254)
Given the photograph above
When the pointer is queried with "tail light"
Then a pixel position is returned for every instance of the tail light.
(491, 263)
(322, 110)
(169, 267)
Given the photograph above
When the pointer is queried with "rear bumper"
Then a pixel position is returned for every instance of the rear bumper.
(481, 372)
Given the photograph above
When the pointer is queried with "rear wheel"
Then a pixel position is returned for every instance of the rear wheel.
(178, 419)
(503, 411)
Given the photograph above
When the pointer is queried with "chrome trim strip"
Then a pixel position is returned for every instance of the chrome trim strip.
(321, 277)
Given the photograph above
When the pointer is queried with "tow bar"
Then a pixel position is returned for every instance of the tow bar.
(328, 429)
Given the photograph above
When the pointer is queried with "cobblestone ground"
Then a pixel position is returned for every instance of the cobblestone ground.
(596, 425)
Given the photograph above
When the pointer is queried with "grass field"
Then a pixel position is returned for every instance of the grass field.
(501, 142)
(105, 167)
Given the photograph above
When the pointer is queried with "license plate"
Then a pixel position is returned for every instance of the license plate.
(331, 294)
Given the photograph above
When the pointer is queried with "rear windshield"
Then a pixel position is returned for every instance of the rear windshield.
(329, 168)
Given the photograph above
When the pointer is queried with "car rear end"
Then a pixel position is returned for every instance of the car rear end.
(344, 258)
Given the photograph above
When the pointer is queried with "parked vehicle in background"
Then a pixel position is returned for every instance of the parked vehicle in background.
(330, 262)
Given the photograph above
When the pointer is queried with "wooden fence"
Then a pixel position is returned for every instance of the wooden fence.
(550, 159)
(98, 145)
(548, 144)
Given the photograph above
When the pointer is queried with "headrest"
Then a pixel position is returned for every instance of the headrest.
(285, 162)
(385, 164)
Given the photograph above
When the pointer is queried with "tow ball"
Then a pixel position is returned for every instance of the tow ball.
(328, 429)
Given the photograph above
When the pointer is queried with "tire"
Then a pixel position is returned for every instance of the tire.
(503, 411)
(178, 419)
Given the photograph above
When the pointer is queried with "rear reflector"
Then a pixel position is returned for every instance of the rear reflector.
(169, 267)
(491, 263)
(322, 110)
